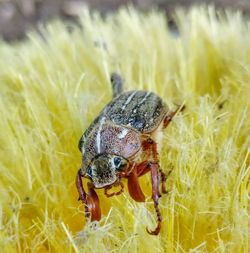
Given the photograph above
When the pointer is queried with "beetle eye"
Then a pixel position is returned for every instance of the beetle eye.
(117, 162)
(89, 172)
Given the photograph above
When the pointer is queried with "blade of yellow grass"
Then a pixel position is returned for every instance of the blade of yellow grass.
(71, 240)
(53, 87)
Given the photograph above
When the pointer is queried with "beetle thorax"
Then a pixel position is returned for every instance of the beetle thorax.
(107, 138)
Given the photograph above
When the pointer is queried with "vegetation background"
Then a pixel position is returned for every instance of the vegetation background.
(55, 81)
(18, 16)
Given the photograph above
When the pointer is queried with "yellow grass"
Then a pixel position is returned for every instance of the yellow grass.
(53, 87)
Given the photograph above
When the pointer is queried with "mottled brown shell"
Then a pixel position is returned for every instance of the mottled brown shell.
(111, 139)
(139, 112)
(142, 110)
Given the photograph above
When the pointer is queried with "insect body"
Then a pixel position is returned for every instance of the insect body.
(122, 143)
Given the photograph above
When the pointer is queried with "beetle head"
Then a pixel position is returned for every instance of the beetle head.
(104, 168)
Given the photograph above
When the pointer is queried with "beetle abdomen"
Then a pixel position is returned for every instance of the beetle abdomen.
(142, 110)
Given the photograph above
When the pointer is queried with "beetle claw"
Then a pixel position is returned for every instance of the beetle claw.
(159, 219)
(156, 231)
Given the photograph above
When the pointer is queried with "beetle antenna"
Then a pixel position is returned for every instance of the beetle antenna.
(117, 84)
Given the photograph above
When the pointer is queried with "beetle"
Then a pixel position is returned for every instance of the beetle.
(122, 142)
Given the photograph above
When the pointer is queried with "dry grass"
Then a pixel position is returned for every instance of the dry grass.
(51, 91)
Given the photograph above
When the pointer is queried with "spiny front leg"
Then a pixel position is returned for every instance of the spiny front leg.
(134, 188)
(90, 200)
(133, 182)
(93, 203)
(82, 193)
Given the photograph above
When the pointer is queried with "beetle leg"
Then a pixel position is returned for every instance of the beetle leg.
(150, 146)
(113, 193)
(90, 200)
(164, 177)
(108, 187)
(171, 114)
(155, 196)
(134, 188)
(93, 203)
(163, 182)
(142, 168)
(82, 193)
(117, 84)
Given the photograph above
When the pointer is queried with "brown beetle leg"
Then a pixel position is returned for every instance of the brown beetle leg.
(90, 200)
(170, 115)
(117, 84)
(142, 168)
(155, 196)
(150, 145)
(93, 203)
(134, 188)
(113, 193)
(163, 182)
(82, 193)
(164, 177)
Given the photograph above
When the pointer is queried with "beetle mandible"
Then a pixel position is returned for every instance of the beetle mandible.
(122, 143)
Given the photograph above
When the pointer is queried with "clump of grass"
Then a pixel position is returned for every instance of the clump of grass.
(53, 87)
